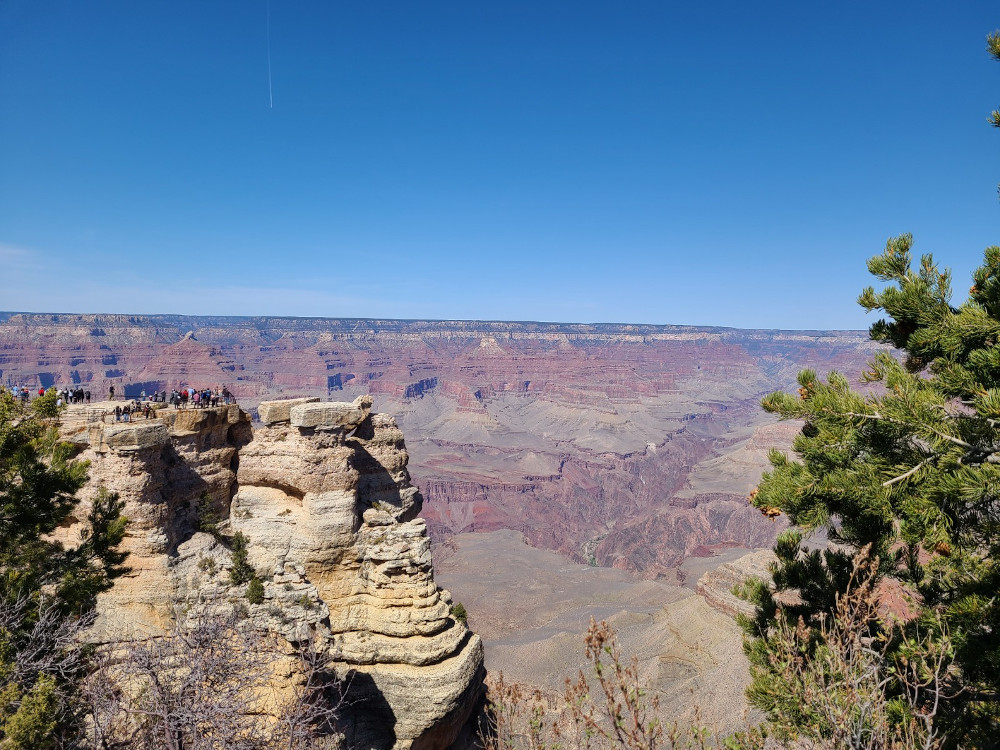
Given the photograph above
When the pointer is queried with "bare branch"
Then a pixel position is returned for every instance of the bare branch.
(906, 475)
(211, 687)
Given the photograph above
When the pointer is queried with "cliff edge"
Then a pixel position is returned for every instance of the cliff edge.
(321, 494)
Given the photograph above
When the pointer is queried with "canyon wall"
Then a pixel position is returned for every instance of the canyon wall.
(322, 495)
(611, 444)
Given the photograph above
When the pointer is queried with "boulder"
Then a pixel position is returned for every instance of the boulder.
(333, 415)
(134, 436)
(272, 412)
(717, 586)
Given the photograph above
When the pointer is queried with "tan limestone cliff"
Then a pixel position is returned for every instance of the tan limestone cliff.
(167, 471)
(328, 490)
(322, 494)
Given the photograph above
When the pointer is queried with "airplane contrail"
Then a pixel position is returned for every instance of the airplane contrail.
(270, 93)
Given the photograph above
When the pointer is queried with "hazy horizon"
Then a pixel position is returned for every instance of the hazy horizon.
(7, 314)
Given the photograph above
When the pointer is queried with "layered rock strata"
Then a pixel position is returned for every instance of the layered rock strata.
(328, 491)
(322, 496)
(608, 443)
(718, 586)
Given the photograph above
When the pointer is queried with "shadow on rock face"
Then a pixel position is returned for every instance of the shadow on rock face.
(238, 436)
(184, 491)
(376, 482)
(367, 719)
(365, 430)
(193, 500)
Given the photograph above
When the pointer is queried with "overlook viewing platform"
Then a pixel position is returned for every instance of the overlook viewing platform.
(94, 424)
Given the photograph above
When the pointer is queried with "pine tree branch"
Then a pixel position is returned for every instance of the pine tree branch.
(943, 435)
(906, 475)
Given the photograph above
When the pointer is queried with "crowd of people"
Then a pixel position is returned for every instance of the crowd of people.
(65, 395)
(200, 399)
(128, 411)
(183, 398)
(72, 395)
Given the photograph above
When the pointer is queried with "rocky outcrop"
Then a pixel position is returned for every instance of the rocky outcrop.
(170, 472)
(322, 495)
(273, 412)
(328, 491)
(717, 586)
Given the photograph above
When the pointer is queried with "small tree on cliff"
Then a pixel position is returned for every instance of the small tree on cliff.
(47, 589)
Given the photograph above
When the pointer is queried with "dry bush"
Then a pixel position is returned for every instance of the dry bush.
(41, 661)
(619, 715)
(210, 687)
(858, 681)
(47, 641)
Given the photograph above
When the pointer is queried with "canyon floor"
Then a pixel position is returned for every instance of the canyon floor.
(532, 607)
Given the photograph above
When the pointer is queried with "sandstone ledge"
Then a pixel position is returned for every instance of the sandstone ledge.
(331, 415)
(128, 436)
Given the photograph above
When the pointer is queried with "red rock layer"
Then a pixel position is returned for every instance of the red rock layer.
(583, 437)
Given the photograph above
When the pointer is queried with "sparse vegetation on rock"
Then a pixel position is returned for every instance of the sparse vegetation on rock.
(47, 589)
(255, 590)
(208, 517)
(240, 572)
(210, 687)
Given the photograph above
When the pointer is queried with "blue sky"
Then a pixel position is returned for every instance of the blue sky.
(724, 163)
